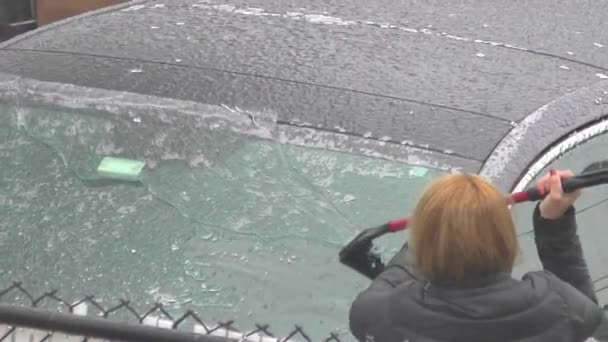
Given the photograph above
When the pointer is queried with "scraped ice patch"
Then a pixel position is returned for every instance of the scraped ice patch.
(570, 53)
(136, 71)
(159, 6)
(418, 171)
(479, 54)
(602, 76)
(598, 45)
(564, 67)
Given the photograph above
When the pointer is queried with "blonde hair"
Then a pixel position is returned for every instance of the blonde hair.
(462, 226)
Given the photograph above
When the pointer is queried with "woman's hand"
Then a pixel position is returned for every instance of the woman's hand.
(556, 201)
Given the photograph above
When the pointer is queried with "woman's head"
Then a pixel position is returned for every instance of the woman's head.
(461, 227)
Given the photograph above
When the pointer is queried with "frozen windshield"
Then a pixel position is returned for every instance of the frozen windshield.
(221, 219)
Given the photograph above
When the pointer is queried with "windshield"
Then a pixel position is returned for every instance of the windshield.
(221, 219)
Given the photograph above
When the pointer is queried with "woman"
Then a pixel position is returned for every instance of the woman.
(453, 283)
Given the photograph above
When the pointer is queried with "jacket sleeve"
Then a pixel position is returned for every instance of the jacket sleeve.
(397, 271)
(560, 252)
(365, 313)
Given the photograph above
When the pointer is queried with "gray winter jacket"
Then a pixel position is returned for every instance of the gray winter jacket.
(554, 305)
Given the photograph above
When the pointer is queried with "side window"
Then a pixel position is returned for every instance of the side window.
(590, 216)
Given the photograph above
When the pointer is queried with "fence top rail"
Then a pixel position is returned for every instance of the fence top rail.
(155, 324)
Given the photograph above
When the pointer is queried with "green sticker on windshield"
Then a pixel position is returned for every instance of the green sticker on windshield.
(120, 168)
(418, 171)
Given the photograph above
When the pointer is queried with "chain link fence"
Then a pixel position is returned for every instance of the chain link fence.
(25, 316)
